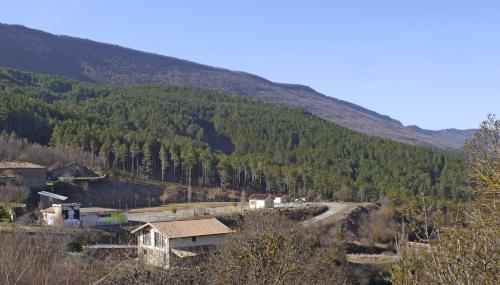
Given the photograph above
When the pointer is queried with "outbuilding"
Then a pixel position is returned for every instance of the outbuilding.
(261, 201)
(25, 173)
(64, 214)
(49, 198)
(279, 200)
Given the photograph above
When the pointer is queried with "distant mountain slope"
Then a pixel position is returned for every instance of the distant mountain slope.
(452, 136)
(37, 51)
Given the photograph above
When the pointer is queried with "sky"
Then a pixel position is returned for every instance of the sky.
(435, 64)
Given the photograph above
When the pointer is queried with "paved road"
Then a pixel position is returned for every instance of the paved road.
(333, 208)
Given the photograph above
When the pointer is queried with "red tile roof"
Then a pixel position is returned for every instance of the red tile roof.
(190, 228)
(260, 196)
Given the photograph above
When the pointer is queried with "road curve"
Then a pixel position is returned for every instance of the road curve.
(333, 208)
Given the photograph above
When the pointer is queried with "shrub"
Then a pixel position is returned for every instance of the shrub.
(73, 247)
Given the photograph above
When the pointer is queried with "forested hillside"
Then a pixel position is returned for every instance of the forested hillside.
(86, 60)
(205, 137)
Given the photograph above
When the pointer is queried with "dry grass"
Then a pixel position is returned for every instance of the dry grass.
(177, 206)
(11, 205)
(333, 219)
(372, 259)
(38, 260)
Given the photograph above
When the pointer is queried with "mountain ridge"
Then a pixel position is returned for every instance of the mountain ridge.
(84, 59)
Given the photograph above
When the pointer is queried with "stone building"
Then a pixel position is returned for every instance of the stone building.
(24, 173)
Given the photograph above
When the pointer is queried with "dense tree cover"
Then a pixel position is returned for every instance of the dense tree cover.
(204, 137)
(80, 59)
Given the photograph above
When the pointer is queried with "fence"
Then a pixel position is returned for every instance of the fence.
(184, 214)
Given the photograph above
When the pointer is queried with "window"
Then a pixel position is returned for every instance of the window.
(193, 239)
(158, 240)
(146, 238)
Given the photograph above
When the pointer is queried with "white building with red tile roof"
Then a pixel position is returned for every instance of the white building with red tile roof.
(261, 201)
(164, 244)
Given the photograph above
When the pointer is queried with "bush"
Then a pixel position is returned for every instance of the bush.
(40, 260)
(74, 247)
(272, 249)
(380, 225)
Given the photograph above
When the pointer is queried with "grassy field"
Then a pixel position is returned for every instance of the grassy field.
(170, 207)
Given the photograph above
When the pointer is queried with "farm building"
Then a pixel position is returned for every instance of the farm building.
(24, 173)
(279, 200)
(55, 211)
(74, 172)
(72, 215)
(49, 198)
(260, 201)
(64, 214)
(165, 244)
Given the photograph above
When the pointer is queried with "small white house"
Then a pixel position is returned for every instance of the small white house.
(65, 214)
(163, 244)
(279, 200)
(260, 201)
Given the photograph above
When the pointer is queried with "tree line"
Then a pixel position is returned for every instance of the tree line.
(205, 137)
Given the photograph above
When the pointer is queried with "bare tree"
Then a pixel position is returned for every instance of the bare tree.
(379, 226)
(467, 250)
(13, 193)
(39, 260)
(271, 249)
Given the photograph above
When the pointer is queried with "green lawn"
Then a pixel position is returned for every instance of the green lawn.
(169, 207)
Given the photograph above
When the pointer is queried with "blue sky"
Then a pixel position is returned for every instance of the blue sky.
(432, 63)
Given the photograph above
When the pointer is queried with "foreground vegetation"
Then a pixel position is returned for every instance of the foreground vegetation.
(465, 248)
(206, 138)
(267, 248)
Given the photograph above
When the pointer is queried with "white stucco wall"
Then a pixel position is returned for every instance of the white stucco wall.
(89, 220)
(160, 256)
(150, 254)
(180, 243)
(261, 204)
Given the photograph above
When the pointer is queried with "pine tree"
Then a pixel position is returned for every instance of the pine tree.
(189, 160)
(163, 159)
(147, 163)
